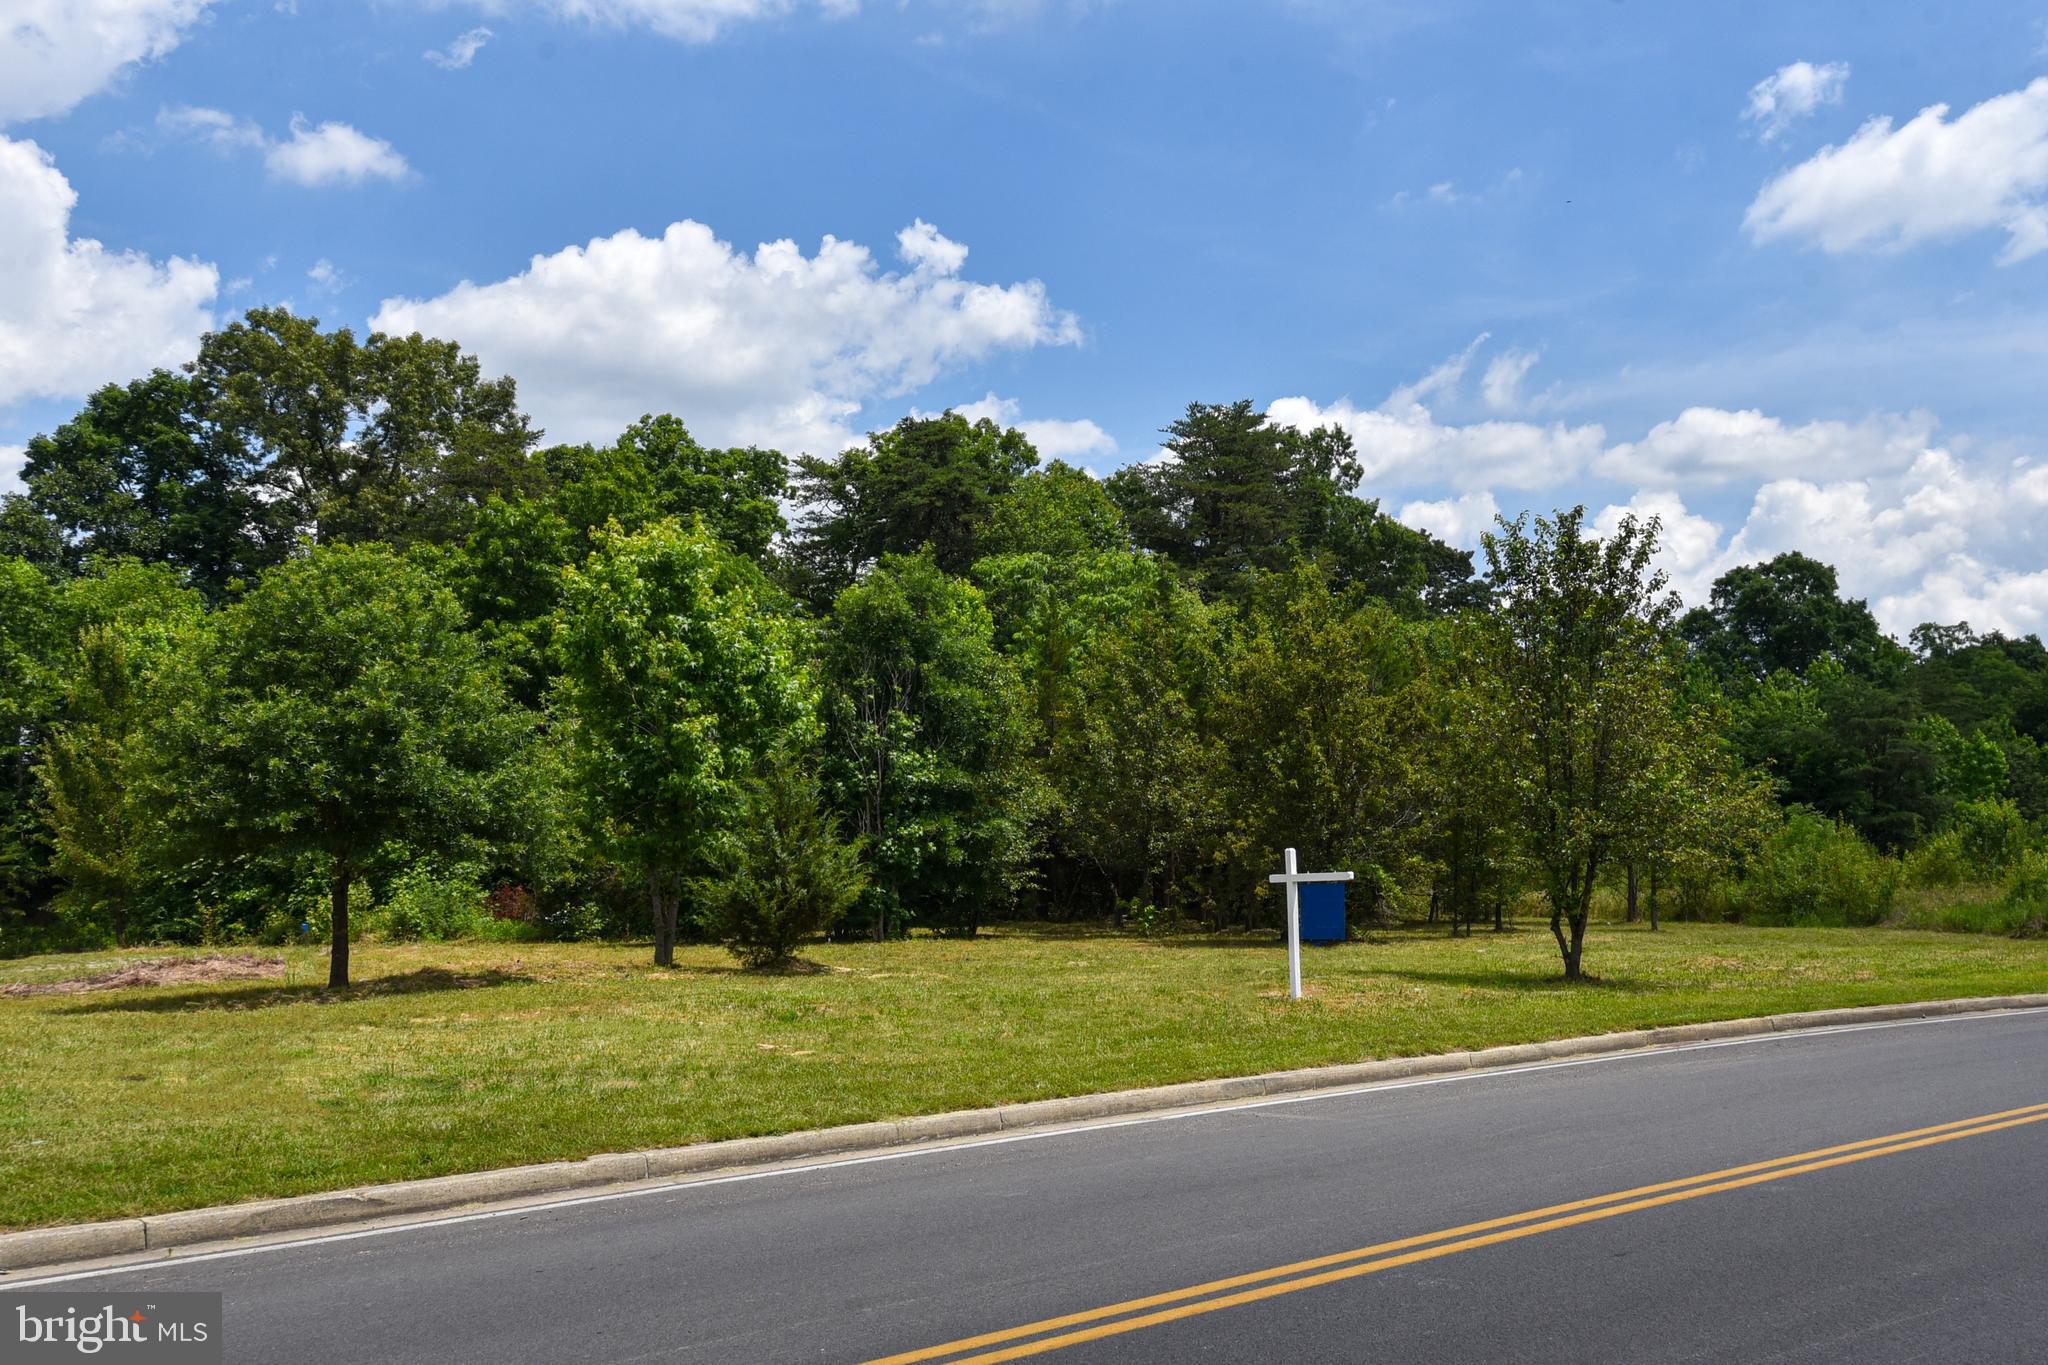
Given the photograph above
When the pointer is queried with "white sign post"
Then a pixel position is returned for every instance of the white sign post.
(1292, 878)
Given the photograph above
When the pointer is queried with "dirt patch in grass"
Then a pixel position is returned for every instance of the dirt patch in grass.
(168, 971)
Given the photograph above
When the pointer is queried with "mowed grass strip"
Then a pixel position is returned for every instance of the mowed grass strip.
(462, 1057)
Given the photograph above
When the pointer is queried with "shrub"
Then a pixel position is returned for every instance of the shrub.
(2026, 892)
(424, 904)
(1993, 834)
(1941, 861)
(785, 874)
(1815, 871)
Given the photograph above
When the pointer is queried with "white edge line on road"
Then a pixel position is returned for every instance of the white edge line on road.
(172, 1260)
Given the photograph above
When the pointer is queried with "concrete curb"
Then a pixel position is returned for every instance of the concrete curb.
(42, 1247)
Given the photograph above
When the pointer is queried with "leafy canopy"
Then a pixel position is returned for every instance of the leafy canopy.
(337, 707)
(683, 672)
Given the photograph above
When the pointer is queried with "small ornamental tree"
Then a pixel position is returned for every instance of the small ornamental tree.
(784, 875)
(1579, 694)
(339, 707)
(682, 674)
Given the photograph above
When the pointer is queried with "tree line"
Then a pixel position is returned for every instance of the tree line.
(317, 633)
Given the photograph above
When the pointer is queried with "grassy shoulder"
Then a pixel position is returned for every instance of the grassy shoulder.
(458, 1057)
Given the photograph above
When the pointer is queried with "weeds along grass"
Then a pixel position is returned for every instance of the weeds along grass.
(456, 1057)
(1966, 909)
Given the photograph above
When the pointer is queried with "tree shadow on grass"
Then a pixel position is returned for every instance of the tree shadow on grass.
(1519, 981)
(268, 994)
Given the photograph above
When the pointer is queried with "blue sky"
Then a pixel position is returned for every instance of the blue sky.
(1642, 256)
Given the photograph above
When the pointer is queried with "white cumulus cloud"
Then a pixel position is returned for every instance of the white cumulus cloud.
(55, 53)
(1715, 445)
(1925, 529)
(1931, 179)
(1942, 542)
(1938, 541)
(333, 154)
(1792, 93)
(1401, 443)
(319, 156)
(1456, 521)
(74, 314)
(1054, 438)
(773, 347)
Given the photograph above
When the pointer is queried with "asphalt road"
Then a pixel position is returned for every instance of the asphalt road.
(1932, 1246)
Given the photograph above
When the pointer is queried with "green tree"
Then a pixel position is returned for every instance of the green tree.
(1324, 720)
(133, 622)
(33, 632)
(1847, 746)
(1235, 491)
(507, 573)
(1058, 511)
(682, 673)
(1132, 774)
(1703, 813)
(1580, 696)
(1367, 552)
(927, 737)
(925, 481)
(786, 873)
(1967, 767)
(738, 492)
(337, 708)
(390, 438)
(599, 486)
(1470, 844)
(138, 474)
(1783, 615)
(1238, 492)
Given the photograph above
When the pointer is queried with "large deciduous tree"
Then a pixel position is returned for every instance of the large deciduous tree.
(1324, 721)
(339, 706)
(388, 438)
(1783, 615)
(139, 474)
(683, 674)
(927, 736)
(738, 492)
(927, 481)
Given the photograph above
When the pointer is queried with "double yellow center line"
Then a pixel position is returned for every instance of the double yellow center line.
(1052, 1334)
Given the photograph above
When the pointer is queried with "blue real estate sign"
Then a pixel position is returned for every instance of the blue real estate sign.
(1322, 912)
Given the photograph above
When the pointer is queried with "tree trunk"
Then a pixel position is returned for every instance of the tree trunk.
(1634, 911)
(1574, 954)
(664, 921)
(1577, 892)
(1500, 910)
(1653, 899)
(337, 910)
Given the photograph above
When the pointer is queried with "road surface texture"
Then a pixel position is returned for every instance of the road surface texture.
(1872, 1194)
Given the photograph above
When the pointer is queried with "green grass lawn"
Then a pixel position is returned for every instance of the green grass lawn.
(458, 1057)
